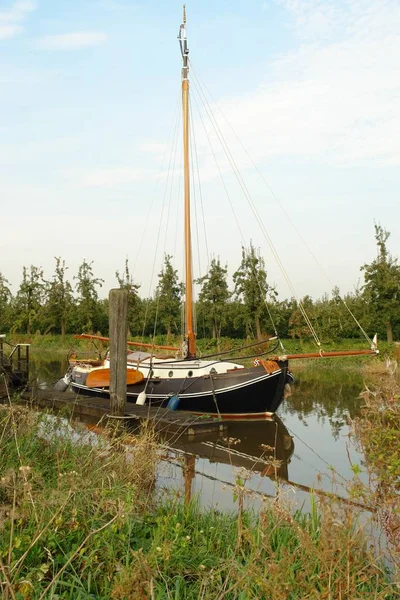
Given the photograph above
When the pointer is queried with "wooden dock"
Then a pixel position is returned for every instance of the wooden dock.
(96, 409)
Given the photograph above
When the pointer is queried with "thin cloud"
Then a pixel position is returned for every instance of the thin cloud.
(72, 41)
(119, 175)
(11, 20)
(334, 99)
(9, 31)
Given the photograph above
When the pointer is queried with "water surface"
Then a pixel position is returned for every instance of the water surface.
(306, 446)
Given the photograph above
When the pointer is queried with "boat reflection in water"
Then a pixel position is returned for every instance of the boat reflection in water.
(263, 448)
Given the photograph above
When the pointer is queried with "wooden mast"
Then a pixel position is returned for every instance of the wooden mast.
(190, 341)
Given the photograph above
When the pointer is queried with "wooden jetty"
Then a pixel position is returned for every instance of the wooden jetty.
(96, 409)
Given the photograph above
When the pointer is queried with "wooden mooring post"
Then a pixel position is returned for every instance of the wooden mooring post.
(118, 320)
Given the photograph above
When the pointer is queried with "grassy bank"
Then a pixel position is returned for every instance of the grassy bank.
(85, 520)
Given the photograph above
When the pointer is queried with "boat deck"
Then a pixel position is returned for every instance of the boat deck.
(97, 409)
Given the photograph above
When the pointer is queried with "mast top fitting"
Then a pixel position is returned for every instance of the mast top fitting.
(183, 45)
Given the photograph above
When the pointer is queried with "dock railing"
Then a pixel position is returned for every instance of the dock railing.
(15, 364)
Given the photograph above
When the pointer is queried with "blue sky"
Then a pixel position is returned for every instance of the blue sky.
(89, 93)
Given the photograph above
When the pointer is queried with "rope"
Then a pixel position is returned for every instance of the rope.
(214, 395)
(174, 141)
(253, 208)
(220, 174)
(156, 184)
(196, 74)
(194, 194)
(234, 213)
(316, 454)
(172, 133)
(200, 192)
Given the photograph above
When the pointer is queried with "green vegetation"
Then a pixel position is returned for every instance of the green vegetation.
(83, 520)
(250, 311)
(168, 296)
(252, 288)
(382, 285)
(378, 433)
(212, 299)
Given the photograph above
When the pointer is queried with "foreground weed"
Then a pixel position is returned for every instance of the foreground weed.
(81, 519)
(378, 433)
(65, 503)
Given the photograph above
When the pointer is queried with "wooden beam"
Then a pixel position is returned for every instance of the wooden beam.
(88, 336)
(118, 318)
(323, 354)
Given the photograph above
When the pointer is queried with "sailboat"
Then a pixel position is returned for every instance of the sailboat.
(204, 385)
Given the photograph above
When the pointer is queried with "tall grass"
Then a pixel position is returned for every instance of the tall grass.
(84, 519)
(378, 433)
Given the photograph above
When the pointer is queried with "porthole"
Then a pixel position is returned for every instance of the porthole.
(190, 373)
(171, 374)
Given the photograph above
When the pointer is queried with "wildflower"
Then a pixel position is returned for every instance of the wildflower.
(231, 440)
(188, 538)
(267, 447)
(202, 567)
(158, 549)
(24, 469)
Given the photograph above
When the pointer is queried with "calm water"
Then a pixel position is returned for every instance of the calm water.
(307, 445)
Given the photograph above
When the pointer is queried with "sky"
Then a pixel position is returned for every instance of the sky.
(304, 93)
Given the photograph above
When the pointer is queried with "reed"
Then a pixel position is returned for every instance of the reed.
(377, 431)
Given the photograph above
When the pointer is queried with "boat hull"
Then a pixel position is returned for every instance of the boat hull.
(241, 393)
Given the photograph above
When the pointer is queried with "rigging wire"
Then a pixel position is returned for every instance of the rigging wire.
(220, 174)
(177, 109)
(200, 190)
(193, 188)
(316, 454)
(231, 205)
(170, 177)
(173, 163)
(173, 131)
(196, 74)
(194, 193)
(253, 207)
(178, 203)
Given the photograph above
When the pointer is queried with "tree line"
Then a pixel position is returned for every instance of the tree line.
(249, 309)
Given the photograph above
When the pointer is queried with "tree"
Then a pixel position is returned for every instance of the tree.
(134, 303)
(213, 297)
(5, 304)
(382, 285)
(88, 311)
(251, 286)
(59, 298)
(168, 297)
(29, 300)
(281, 313)
(298, 327)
